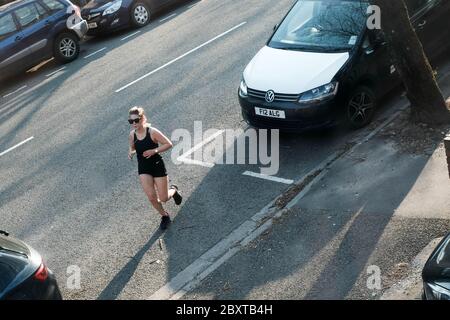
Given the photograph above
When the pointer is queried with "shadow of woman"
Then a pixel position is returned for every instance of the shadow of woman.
(121, 279)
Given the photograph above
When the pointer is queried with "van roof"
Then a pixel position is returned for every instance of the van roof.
(13, 5)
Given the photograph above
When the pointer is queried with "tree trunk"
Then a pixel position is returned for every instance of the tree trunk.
(427, 102)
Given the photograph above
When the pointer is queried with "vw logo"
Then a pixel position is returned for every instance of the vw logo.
(270, 96)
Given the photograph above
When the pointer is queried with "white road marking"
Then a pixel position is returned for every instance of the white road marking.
(196, 162)
(95, 52)
(54, 72)
(168, 17)
(15, 91)
(130, 35)
(16, 146)
(267, 177)
(197, 271)
(180, 57)
(183, 158)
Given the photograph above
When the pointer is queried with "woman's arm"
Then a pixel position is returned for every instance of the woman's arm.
(164, 143)
(131, 149)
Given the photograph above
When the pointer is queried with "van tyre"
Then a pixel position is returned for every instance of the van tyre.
(140, 14)
(360, 107)
(66, 47)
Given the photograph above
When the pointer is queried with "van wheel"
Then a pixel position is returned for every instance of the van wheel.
(140, 14)
(66, 47)
(360, 107)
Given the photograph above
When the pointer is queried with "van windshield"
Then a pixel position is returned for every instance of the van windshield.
(322, 26)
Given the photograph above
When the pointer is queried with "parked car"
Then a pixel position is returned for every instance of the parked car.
(323, 64)
(104, 16)
(23, 274)
(436, 273)
(32, 31)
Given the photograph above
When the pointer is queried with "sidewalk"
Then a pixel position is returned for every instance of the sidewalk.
(379, 205)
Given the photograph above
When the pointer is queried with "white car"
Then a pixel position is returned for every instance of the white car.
(323, 65)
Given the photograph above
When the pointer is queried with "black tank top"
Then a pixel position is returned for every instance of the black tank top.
(145, 144)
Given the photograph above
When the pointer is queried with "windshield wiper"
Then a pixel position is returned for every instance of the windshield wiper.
(296, 48)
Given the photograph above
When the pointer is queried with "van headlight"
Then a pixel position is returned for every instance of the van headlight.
(114, 7)
(438, 292)
(243, 89)
(320, 93)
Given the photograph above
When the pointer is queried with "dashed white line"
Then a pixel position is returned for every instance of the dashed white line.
(16, 146)
(267, 177)
(168, 17)
(130, 35)
(54, 72)
(95, 52)
(180, 57)
(15, 91)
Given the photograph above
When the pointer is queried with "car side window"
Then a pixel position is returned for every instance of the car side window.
(7, 26)
(41, 10)
(54, 5)
(27, 15)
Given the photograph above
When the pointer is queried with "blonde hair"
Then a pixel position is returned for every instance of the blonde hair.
(138, 111)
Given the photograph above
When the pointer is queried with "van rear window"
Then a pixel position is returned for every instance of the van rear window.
(10, 266)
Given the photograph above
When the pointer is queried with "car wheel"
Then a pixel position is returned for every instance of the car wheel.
(360, 107)
(66, 47)
(140, 14)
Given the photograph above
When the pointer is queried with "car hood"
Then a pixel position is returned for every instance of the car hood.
(292, 72)
(437, 268)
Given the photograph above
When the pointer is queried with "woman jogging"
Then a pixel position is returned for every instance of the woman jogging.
(148, 143)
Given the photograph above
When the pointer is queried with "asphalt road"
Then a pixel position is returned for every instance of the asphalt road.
(72, 194)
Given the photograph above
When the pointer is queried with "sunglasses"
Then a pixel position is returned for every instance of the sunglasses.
(131, 121)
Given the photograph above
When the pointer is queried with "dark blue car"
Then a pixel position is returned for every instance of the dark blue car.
(32, 31)
(23, 274)
(104, 16)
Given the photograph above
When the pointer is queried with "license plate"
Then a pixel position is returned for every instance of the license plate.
(270, 113)
(92, 25)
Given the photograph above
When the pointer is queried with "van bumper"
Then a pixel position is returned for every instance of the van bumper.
(298, 117)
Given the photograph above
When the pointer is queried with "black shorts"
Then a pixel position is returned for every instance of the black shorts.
(156, 169)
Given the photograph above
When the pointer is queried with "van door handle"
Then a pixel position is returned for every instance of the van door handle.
(18, 38)
(422, 24)
(47, 22)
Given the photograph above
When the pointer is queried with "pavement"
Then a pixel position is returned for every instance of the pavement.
(68, 189)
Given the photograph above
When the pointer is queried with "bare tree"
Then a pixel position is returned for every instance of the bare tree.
(427, 102)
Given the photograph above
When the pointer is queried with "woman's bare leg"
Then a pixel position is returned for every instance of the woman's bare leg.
(148, 184)
(162, 187)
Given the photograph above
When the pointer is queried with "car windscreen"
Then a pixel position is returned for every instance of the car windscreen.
(322, 26)
(11, 264)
